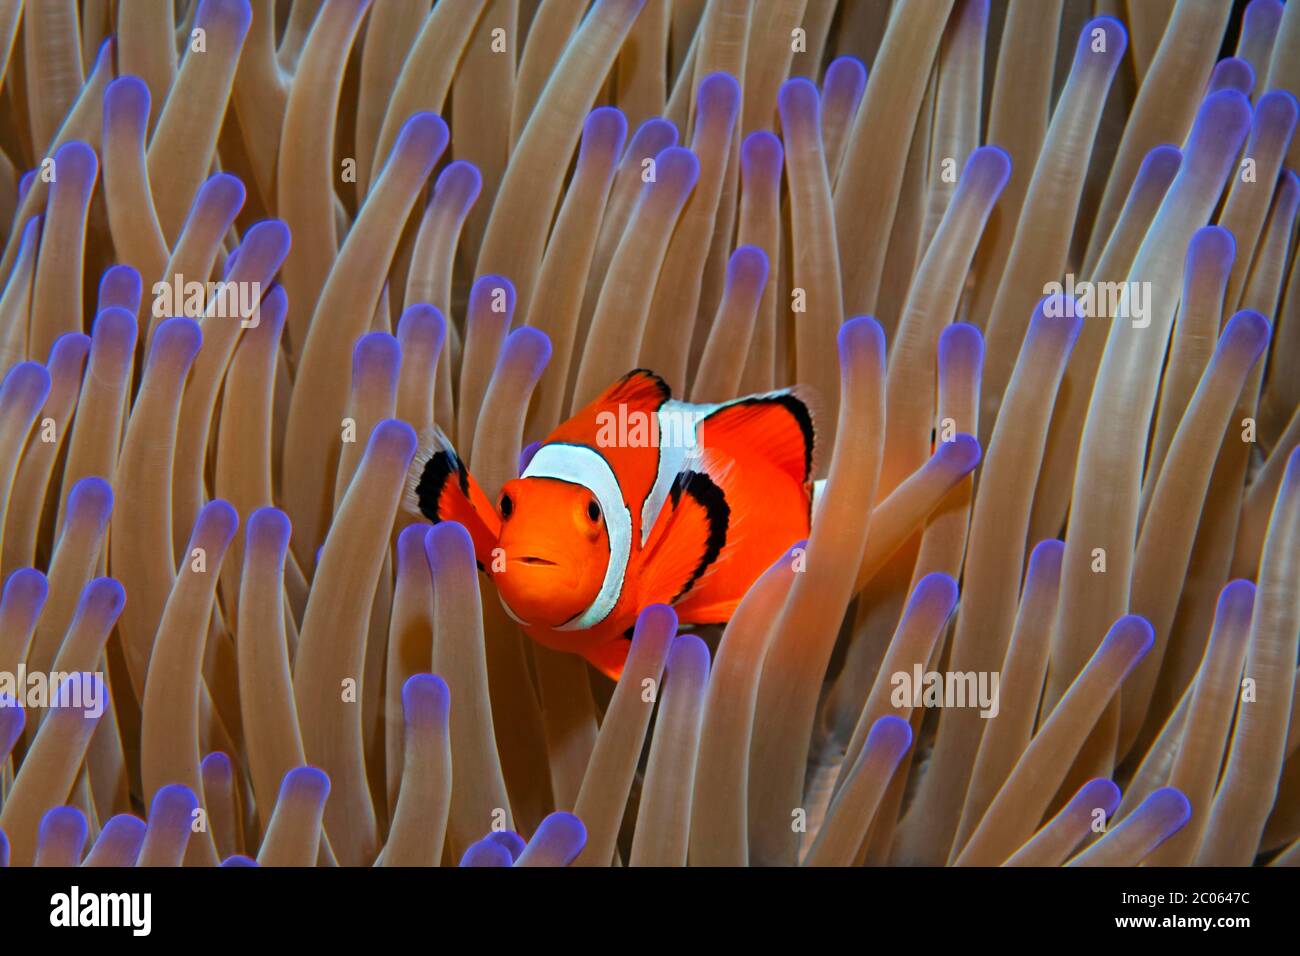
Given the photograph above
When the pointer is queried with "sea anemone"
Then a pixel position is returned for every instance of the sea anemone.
(1036, 271)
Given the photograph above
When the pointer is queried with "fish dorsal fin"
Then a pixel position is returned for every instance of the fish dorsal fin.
(640, 391)
(440, 487)
(639, 388)
(687, 540)
(778, 425)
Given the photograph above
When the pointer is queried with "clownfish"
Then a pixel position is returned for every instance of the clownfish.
(637, 499)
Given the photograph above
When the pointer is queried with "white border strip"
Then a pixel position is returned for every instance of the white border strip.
(583, 466)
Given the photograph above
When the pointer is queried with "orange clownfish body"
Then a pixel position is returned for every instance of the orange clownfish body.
(636, 500)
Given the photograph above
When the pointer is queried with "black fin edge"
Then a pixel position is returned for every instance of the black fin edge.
(433, 479)
(708, 495)
(798, 410)
(664, 390)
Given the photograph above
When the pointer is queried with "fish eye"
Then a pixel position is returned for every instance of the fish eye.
(593, 510)
(507, 506)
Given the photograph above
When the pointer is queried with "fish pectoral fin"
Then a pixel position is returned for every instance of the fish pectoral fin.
(440, 488)
(777, 426)
(691, 611)
(688, 540)
(609, 658)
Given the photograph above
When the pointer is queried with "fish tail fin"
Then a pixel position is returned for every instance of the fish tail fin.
(440, 487)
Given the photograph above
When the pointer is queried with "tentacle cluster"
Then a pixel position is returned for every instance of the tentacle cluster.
(253, 248)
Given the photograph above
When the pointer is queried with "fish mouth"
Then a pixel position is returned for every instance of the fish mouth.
(534, 561)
